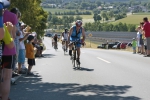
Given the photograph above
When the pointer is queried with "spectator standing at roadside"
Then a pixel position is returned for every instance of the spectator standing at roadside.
(21, 55)
(138, 40)
(134, 45)
(30, 54)
(146, 28)
(9, 54)
(141, 41)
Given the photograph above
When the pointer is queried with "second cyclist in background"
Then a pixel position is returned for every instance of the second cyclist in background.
(65, 39)
(55, 39)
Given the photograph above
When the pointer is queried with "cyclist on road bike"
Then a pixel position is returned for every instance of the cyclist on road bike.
(55, 39)
(75, 33)
(65, 38)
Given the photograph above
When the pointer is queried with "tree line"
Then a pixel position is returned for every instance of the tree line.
(105, 16)
(74, 13)
(56, 22)
(121, 27)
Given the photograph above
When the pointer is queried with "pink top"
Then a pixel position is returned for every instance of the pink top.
(9, 17)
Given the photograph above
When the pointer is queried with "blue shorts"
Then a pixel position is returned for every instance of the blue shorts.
(74, 39)
(21, 56)
(134, 48)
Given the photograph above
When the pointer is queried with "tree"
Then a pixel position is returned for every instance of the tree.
(111, 14)
(103, 14)
(78, 17)
(95, 17)
(98, 3)
(32, 14)
(71, 19)
(99, 17)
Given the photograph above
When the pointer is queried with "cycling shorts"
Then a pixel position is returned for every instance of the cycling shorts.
(72, 39)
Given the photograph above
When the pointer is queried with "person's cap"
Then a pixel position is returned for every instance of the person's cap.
(30, 37)
(23, 24)
(6, 3)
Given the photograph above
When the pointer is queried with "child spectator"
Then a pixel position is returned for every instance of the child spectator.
(30, 54)
(134, 45)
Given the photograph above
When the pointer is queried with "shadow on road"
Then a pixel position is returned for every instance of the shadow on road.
(46, 56)
(31, 88)
(83, 69)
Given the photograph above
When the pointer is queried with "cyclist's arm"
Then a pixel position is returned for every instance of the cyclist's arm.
(70, 32)
(83, 34)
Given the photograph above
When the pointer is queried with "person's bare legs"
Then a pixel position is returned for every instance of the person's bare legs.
(19, 67)
(29, 69)
(142, 49)
(78, 53)
(5, 85)
(67, 45)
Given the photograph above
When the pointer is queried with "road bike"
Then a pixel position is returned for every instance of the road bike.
(55, 46)
(74, 58)
(64, 46)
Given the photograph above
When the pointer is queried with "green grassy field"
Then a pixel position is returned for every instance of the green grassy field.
(136, 18)
(86, 18)
(133, 19)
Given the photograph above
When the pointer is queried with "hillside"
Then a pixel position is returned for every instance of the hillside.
(133, 19)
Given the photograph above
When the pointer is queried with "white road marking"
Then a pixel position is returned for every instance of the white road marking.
(103, 60)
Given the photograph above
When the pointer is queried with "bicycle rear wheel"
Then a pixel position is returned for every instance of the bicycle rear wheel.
(78, 65)
(74, 58)
(64, 48)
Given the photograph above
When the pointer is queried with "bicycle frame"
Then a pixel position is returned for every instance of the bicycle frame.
(74, 56)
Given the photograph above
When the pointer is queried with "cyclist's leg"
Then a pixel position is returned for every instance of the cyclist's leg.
(66, 45)
(78, 52)
(70, 46)
(70, 50)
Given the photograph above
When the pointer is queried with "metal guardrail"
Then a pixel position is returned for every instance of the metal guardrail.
(111, 36)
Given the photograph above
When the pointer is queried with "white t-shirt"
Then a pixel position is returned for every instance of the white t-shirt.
(21, 46)
(65, 37)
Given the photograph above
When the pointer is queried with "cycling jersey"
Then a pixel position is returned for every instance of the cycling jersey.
(55, 38)
(65, 36)
(76, 36)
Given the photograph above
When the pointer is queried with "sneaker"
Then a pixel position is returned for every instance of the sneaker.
(15, 75)
(30, 74)
(24, 69)
(13, 80)
(22, 72)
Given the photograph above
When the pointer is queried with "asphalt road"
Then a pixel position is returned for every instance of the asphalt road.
(105, 75)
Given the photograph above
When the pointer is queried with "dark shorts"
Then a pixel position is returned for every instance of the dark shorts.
(31, 62)
(141, 42)
(41, 47)
(145, 47)
(8, 61)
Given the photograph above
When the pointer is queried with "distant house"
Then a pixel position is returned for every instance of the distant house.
(110, 7)
(59, 6)
(52, 5)
(99, 7)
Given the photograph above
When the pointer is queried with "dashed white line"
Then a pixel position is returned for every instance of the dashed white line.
(103, 60)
